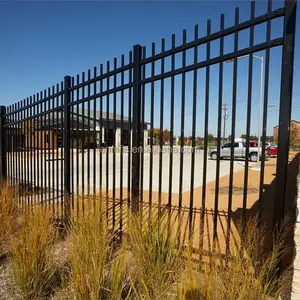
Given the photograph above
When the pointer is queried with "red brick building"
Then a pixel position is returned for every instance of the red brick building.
(295, 133)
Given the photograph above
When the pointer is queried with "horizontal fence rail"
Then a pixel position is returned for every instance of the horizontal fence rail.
(120, 134)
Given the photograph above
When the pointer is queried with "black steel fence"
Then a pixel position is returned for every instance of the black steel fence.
(120, 131)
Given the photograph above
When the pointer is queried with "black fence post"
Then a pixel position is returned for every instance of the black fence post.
(285, 109)
(136, 128)
(2, 144)
(67, 144)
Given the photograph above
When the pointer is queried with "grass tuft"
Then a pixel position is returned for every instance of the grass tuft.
(90, 251)
(249, 272)
(157, 257)
(33, 267)
(8, 214)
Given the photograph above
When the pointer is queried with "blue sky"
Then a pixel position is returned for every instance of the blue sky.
(42, 41)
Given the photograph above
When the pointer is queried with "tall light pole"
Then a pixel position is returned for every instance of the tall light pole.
(260, 102)
(260, 97)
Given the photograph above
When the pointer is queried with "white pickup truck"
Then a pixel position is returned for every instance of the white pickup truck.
(239, 151)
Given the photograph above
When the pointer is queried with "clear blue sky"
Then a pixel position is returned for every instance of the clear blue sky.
(43, 41)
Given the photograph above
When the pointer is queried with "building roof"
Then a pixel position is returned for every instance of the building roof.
(84, 117)
(85, 113)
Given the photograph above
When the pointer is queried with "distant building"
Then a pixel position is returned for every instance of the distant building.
(85, 128)
(295, 126)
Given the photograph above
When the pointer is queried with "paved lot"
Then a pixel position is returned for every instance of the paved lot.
(86, 177)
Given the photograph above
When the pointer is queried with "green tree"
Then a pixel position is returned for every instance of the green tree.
(210, 137)
(251, 137)
(166, 136)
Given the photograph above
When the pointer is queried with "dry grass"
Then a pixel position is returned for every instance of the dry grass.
(33, 267)
(157, 258)
(8, 214)
(91, 257)
(148, 263)
(249, 273)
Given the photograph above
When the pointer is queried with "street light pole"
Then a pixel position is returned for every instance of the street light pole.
(260, 104)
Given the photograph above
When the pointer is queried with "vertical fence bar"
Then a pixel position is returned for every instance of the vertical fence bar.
(101, 133)
(106, 140)
(114, 142)
(19, 149)
(8, 152)
(49, 142)
(182, 121)
(8, 146)
(37, 146)
(77, 145)
(45, 147)
(72, 142)
(82, 141)
(94, 140)
(25, 131)
(67, 144)
(285, 109)
(129, 132)
(2, 143)
(62, 152)
(12, 146)
(52, 151)
(265, 114)
(171, 124)
(23, 165)
(216, 204)
(31, 129)
(161, 126)
(194, 113)
(136, 128)
(206, 109)
(42, 129)
(58, 117)
(151, 129)
(88, 133)
(233, 122)
(121, 151)
(248, 125)
(143, 87)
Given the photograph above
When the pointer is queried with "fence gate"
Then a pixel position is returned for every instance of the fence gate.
(135, 133)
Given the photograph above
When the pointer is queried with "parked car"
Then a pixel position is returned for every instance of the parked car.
(252, 144)
(272, 149)
(239, 151)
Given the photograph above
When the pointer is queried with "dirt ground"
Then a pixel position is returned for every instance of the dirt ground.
(228, 229)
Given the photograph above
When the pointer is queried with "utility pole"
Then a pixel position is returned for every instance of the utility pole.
(225, 117)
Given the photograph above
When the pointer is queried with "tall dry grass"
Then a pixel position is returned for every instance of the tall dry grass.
(149, 262)
(249, 272)
(32, 255)
(157, 259)
(91, 245)
(8, 214)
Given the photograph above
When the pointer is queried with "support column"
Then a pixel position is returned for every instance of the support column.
(118, 137)
(67, 146)
(2, 144)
